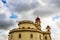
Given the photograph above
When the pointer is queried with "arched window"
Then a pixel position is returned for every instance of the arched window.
(31, 28)
(45, 37)
(31, 36)
(28, 27)
(40, 37)
(19, 35)
(11, 36)
(23, 27)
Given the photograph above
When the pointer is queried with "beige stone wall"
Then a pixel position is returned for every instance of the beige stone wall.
(26, 25)
(48, 37)
(26, 36)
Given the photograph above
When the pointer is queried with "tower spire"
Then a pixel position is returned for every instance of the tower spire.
(38, 19)
(38, 23)
(48, 28)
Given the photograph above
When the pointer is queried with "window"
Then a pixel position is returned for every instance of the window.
(32, 28)
(40, 37)
(19, 35)
(11, 36)
(28, 27)
(23, 27)
(45, 37)
(31, 35)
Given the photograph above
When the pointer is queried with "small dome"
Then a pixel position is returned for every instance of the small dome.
(38, 19)
(48, 27)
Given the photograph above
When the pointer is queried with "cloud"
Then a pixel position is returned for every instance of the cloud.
(3, 35)
(49, 9)
(22, 5)
(58, 22)
(25, 6)
(56, 17)
(45, 11)
(4, 22)
(55, 2)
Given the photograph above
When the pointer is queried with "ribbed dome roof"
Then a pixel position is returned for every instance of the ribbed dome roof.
(25, 21)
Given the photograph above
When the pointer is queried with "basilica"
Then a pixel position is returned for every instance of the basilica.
(29, 30)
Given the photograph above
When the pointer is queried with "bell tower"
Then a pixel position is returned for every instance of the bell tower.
(48, 28)
(38, 23)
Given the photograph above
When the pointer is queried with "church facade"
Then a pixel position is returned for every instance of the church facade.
(28, 30)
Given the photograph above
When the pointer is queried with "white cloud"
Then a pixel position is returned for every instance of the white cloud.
(3, 35)
(22, 5)
(5, 21)
(42, 3)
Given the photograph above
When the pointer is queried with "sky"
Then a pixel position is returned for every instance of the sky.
(13, 11)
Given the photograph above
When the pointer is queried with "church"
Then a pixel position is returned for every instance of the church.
(29, 30)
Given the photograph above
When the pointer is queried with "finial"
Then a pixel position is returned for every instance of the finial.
(48, 27)
(38, 19)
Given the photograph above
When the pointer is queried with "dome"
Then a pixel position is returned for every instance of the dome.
(26, 24)
(25, 21)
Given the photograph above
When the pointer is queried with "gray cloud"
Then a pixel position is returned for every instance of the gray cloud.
(42, 13)
(25, 5)
(55, 2)
(22, 5)
(3, 35)
(58, 23)
(4, 22)
(45, 11)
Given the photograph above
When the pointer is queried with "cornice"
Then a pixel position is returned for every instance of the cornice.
(28, 30)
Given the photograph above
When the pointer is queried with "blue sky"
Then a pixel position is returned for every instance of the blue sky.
(4, 1)
(13, 16)
(13, 11)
